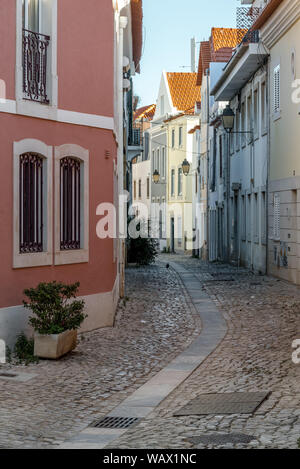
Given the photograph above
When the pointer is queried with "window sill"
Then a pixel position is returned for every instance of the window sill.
(78, 256)
(38, 259)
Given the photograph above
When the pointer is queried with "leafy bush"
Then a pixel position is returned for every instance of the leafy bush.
(53, 310)
(141, 250)
(24, 350)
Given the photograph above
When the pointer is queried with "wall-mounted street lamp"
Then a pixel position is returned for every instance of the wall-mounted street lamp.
(228, 119)
(228, 122)
(185, 167)
(156, 177)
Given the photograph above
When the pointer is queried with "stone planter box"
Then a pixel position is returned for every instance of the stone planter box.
(54, 345)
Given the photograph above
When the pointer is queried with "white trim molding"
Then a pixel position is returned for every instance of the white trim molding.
(79, 255)
(39, 258)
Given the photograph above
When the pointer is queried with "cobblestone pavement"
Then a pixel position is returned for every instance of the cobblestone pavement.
(263, 316)
(155, 324)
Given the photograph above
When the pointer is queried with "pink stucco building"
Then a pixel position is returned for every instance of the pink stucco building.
(61, 147)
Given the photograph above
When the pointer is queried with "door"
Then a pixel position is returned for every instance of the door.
(172, 235)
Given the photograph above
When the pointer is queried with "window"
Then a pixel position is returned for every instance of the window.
(249, 116)
(263, 218)
(255, 112)
(163, 162)
(248, 218)
(243, 126)
(140, 189)
(179, 230)
(277, 89)
(153, 160)
(263, 98)
(276, 216)
(180, 136)
(237, 128)
(173, 182)
(148, 188)
(134, 190)
(221, 156)
(196, 183)
(243, 219)
(31, 15)
(255, 216)
(180, 181)
(31, 203)
(173, 138)
(70, 203)
(157, 161)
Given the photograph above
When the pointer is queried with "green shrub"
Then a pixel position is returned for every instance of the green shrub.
(24, 350)
(53, 310)
(141, 250)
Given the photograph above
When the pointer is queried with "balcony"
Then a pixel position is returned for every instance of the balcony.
(35, 49)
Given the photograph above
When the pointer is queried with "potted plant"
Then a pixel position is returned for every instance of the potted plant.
(55, 319)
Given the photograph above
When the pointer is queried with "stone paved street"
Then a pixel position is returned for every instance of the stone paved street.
(263, 319)
(152, 326)
(155, 324)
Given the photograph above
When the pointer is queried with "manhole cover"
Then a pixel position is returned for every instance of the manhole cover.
(221, 439)
(115, 422)
(226, 403)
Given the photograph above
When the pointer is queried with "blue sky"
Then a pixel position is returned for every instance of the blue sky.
(169, 26)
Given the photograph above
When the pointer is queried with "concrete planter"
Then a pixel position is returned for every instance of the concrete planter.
(54, 345)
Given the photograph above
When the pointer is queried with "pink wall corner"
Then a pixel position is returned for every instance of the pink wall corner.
(86, 56)
(100, 273)
(8, 48)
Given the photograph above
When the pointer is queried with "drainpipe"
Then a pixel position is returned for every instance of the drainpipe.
(228, 199)
(207, 171)
(123, 21)
(268, 162)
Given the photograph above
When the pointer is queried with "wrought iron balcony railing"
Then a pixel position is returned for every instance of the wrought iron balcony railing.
(35, 47)
(135, 138)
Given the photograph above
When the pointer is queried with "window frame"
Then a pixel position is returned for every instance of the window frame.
(79, 255)
(25, 107)
(33, 259)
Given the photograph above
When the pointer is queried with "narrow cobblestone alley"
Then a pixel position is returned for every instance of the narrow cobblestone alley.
(262, 315)
(154, 324)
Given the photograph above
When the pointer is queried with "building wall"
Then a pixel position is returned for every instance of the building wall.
(284, 252)
(83, 117)
(180, 205)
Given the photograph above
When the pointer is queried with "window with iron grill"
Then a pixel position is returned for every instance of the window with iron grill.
(31, 203)
(70, 203)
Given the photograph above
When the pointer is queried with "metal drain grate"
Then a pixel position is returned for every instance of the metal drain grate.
(221, 439)
(224, 403)
(115, 422)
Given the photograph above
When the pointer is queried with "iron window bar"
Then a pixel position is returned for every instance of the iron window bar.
(70, 203)
(31, 203)
(35, 48)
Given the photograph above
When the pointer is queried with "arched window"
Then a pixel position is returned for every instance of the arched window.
(31, 203)
(70, 203)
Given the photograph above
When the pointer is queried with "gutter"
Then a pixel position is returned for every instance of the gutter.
(266, 13)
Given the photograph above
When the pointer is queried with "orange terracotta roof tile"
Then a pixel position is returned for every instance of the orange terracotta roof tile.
(184, 90)
(218, 48)
(204, 60)
(224, 37)
(145, 112)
